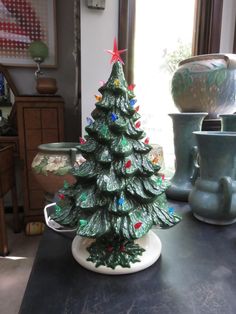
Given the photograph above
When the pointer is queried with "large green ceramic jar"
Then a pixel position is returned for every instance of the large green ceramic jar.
(206, 83)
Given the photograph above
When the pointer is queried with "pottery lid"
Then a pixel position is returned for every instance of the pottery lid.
(55, 147)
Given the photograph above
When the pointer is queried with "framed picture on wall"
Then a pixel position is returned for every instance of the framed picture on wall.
(23, 22)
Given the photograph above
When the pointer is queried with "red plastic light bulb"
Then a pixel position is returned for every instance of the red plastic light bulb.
(138, 124)
(122, 248)
(128, 164)
(82, 141)
(146, 140)
(61, 196)
(110, 248)
(131, 87)
(138, 225)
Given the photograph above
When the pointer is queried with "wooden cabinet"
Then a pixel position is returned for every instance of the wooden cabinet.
(39, 120)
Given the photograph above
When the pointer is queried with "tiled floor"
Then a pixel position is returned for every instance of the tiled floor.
(15, 269)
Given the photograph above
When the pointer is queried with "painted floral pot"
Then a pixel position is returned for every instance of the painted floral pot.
(228, 122)
(206, 83)
(213, 198)
(51, 166)
(186, 171)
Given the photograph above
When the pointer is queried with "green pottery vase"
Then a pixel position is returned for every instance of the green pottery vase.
(51, 166)
(206, 83)
(213, 198)
(185, 154)
(228, 122)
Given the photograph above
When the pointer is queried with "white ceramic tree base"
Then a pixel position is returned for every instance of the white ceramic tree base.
(150, 242)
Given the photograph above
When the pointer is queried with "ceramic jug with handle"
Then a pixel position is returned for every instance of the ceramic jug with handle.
(185, 154)
(213, 198)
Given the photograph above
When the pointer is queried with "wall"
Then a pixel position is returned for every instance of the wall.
(98, 29)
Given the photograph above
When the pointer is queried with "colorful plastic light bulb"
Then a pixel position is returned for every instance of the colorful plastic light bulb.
(132, 102)
(138, 225)
(98, 98)
(82, 141)
(131, 87)
(146, 140)
(120, 201)
(171, 210)
(114, 117)
(89, 120)
(138, 124)
(128, 164)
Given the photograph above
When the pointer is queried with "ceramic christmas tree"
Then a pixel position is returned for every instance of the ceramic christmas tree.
(118, 195)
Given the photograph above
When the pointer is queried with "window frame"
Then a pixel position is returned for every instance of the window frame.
(206, 34)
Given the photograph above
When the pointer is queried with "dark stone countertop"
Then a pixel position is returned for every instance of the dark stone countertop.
(196, 273)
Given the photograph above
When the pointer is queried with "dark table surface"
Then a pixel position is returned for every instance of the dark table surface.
(196, 273)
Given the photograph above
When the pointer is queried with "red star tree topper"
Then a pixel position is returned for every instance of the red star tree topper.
(116, 53)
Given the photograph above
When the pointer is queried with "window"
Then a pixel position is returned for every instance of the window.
(158, 34)
(163, 37)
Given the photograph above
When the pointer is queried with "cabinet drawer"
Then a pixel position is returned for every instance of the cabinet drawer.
(39, 121)
(49, 118)
(33, 139)
(32, 182)
(32, 118)
(30, 154)
(50, 136)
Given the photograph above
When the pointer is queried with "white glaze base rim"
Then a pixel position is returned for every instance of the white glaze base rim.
(214, 221)
(150, 242)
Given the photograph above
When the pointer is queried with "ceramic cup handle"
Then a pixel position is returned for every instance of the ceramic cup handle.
(226, 187)
(196, 167)
(73, 152)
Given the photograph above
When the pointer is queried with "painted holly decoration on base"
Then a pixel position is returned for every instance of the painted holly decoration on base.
(114, 253)
(118, 195)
